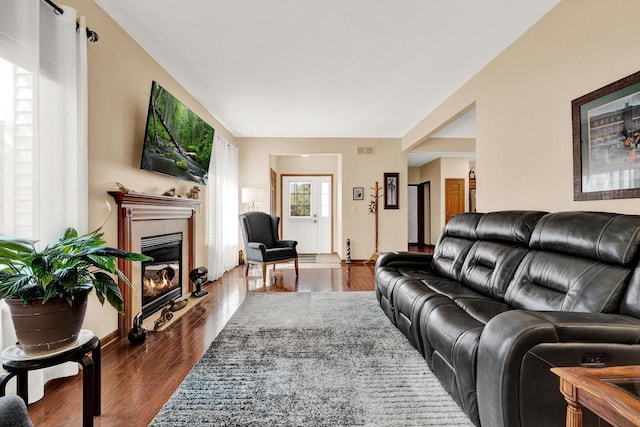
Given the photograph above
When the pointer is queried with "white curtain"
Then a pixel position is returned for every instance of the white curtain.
(222, 198)
(43, 135)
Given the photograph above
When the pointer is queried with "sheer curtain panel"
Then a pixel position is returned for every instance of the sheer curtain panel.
(43, 134)
(222, 198)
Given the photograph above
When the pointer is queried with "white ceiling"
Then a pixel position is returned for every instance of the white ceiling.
(463, 127)
(323, 68)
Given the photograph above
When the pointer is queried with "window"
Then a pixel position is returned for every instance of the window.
(16, 150)
(300, 199)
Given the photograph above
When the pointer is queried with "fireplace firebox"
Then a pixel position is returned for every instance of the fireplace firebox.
(162, 277)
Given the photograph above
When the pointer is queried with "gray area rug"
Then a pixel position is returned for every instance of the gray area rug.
(311, 359)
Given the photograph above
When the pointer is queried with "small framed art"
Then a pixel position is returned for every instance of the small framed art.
(358, 193)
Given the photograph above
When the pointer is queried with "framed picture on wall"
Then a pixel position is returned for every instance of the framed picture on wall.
(391, 190)
(358, 193)
(606, 141)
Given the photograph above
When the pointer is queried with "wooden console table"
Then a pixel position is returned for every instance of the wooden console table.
(612, 394)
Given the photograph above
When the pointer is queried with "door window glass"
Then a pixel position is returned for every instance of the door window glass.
(300, 199)
(324, 199)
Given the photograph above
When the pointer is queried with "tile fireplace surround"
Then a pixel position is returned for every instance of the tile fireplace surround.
(142, 215)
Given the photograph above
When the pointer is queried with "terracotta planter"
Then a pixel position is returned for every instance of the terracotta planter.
(42, 328)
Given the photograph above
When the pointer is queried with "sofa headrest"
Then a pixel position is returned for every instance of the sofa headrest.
(462, 225)
(509, 226)
(606, 237)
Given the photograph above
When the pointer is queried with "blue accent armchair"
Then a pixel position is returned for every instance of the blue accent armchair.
(261, 242)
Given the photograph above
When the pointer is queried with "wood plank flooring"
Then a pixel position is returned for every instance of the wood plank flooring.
(138, 380)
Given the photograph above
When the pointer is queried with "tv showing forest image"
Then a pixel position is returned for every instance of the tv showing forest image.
(176, 142)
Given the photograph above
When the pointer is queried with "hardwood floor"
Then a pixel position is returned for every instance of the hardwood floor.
(138, 380)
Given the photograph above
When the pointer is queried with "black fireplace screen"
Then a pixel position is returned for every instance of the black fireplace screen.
(161, 278)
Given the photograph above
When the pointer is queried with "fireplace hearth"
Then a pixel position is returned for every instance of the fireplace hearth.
(161, 278)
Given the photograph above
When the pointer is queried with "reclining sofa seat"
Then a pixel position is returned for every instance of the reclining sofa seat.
(395, 268)
(487, 275)
(577, 295)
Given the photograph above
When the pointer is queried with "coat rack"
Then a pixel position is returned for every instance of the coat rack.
(373, 208)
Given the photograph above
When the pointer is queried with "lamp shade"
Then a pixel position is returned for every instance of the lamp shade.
(252, 195)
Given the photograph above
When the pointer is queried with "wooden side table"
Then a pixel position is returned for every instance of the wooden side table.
(91, 367)
(611, 393)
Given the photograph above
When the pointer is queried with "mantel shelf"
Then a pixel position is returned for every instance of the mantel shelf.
(123, 198)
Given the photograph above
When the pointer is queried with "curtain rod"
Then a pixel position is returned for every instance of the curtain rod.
(92, 36)
(57, 9)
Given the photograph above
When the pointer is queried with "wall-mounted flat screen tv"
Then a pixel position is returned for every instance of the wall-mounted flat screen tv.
(176, 141)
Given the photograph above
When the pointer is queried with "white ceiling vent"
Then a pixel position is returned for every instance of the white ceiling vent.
(365, 151)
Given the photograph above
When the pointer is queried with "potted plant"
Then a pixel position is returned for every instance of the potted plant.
(51, 286)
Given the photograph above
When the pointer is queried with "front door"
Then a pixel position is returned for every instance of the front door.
(306, 212)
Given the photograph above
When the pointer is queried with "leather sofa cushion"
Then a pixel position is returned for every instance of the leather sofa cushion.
(463, 225)
(606, 237)
(454, 243)
(508, 226)
(490, 266)
(554, 281)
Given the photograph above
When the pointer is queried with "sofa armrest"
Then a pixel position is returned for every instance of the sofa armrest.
(518, 347)
(416, 260)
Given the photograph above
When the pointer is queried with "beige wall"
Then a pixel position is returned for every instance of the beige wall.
(120, 75)
(523, 105)
(353, 220)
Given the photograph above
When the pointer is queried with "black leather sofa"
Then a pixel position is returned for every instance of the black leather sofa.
(508, 295)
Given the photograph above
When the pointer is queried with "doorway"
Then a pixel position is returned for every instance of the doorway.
(454, 197)
(306, 212)
(419, 207)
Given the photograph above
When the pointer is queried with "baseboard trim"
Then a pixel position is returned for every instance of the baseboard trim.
(109, 340)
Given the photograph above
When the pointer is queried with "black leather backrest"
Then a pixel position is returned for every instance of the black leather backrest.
(257, 227)
(607, 237)
(504, 241)
(580, 261)
(514, 227)
(454, 243)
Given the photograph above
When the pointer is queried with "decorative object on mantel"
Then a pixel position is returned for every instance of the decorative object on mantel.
(198, 277)
(170, 192)
(47, 289)
(472, 173)
(606, 142)
(138, 333)
(373, 208)
(123, 188)
(194, 193)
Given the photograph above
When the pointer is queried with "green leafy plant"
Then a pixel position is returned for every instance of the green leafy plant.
(74, 261)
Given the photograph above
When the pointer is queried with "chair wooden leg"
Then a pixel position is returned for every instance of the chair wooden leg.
(246, 270)
(296, 264)
(264, 274)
